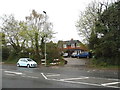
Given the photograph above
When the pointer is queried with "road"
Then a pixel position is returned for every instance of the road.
(68, 76)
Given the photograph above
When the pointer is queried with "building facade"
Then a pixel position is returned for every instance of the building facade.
(71, 46)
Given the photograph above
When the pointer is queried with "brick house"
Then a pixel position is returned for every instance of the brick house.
(71, 46)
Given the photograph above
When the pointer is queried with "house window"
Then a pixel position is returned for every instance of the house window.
(77, 45)
(73, 45)
(64, 46)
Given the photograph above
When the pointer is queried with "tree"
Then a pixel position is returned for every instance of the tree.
(108, 26)
(87, 19)
(100, 24)
(37, 24)
(11, 29)
(85, 24)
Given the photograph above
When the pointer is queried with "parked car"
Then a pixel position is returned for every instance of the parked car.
(65, 55)
(84, 55)
(27, 62)
(74, 55)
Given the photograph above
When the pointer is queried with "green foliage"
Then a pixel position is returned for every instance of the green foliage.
(53, 52)
(13, 57)
(103, 31)
(87, 19)
(107, 50)
(5, 53)
(26, 38)
(2, 39)
(93, 41)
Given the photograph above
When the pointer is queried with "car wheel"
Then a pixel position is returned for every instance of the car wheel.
(87, 56)
(18, 64)
(28, 66)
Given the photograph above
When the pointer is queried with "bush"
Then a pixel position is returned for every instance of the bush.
(5, 53)
(53, 52)
(104, 62)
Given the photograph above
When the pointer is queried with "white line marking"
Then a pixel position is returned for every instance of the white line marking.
(23, 76)
(105, 84)
(10, 74)
(112, 86)
(76, 82)
(31, 77)
(84, 83)
(74, 78)
(43, 75)
(53, 75)
(114, 79)
(13, 72)
(92, 84)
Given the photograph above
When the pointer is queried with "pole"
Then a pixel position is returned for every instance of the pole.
(45, 51)
(45, 38)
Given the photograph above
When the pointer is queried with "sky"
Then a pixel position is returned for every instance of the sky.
(62, 13)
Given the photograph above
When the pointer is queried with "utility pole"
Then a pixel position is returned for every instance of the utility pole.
(45, 37)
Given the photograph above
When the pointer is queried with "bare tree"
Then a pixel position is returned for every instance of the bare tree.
(87, 19)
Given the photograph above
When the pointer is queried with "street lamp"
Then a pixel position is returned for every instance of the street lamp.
(45, 37)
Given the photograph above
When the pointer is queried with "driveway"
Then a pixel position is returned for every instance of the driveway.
(74, 62)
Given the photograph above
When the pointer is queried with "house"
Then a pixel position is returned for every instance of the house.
(71, 46)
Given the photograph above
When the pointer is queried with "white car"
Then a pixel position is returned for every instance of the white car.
(26, 62)
(65, 55)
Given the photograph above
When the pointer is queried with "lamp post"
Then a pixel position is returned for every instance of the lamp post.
(45, 37)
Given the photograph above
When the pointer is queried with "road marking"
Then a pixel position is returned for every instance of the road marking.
(53, 75)
(114, 79)
(106, 84)
(67, 80)
(83, 83)
(112, 86)
(10, 74)
(43, 75)
(75, 82)
(31, 77)
(74, 78)
(23, 76)
(19, 73)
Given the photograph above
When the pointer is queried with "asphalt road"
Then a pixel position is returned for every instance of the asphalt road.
(68, 76)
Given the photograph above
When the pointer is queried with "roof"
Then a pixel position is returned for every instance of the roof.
(71, 42)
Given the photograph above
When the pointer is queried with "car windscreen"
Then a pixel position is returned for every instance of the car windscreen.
(29, 59)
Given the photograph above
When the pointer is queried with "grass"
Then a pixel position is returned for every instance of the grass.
(93, 63)
(104, 67)
(11, 61)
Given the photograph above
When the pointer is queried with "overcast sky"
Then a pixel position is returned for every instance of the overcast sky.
(62, 13)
